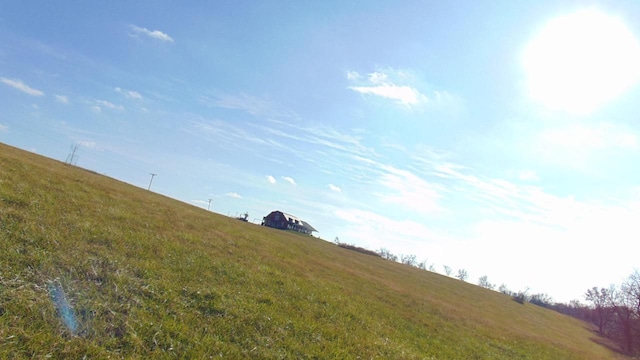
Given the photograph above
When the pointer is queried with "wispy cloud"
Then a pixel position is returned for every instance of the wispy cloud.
(250, 104)
(409, 190)
(404, 95)
(3, 127)
(155, 34)
(502, 198)
(62, 99)
(380, 84)
(583, 146)
(402, 88)
(271, 179)
(317, 144)
(320, 136)
(229, 135)
(334, 188)
(375, 229)
(130, 94)
(489, 213)
(353, 75)
(107, 104)
(200, 202)
(88, 144)
(233, 195)
(19, 85)
(289, 179)
(589, 137)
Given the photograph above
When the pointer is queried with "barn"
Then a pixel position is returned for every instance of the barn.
(280, 220)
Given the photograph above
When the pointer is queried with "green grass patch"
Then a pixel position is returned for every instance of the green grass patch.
(147, 276)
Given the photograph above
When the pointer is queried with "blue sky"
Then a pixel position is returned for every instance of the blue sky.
(497, 137)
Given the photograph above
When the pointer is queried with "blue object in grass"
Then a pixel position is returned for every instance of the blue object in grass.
(64, 309)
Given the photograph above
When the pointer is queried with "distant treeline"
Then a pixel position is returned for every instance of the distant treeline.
(615, 311)
(358, 249)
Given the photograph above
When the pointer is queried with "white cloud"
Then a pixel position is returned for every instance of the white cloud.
(234, 195)
(403, 88)
(334, 188)
(271, 179)
(3, 127)
(378, 78)
(404, 95)
(109, 105)
(19, 85)
(353, 75)
(289, 179)
(62, 99)
(88, 144)
(200, 202)
(96, 109)
(155, 34)
(130, 94)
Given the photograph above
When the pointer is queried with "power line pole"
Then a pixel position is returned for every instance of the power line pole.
(71, 158)
(152, 175)
(209, 207)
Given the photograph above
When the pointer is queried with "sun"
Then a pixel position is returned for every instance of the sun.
(579, 62)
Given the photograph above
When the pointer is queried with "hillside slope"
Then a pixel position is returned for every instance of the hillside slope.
(147, 276)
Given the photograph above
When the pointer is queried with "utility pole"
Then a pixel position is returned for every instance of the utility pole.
(208, 207)
(71, 158)
(152, 175)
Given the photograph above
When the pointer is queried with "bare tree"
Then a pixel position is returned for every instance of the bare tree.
(447, 270)
(462, 275)
(622, 305)
(504, 289)
(484, 282)
(386, 254)
(422, 264)
(541, 299)
(616, 312)
(632, 288)
(408, 259)
(601, 300)
(629, 313)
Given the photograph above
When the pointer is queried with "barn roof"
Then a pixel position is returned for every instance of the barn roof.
(297, 220)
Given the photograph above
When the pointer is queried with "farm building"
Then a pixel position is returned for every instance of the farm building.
(279, 220)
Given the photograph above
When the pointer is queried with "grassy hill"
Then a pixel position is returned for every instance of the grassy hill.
(147, 276)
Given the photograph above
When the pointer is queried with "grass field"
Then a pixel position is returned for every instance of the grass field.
(147, 276)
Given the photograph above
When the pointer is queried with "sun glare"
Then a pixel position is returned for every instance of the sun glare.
(581, 61)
